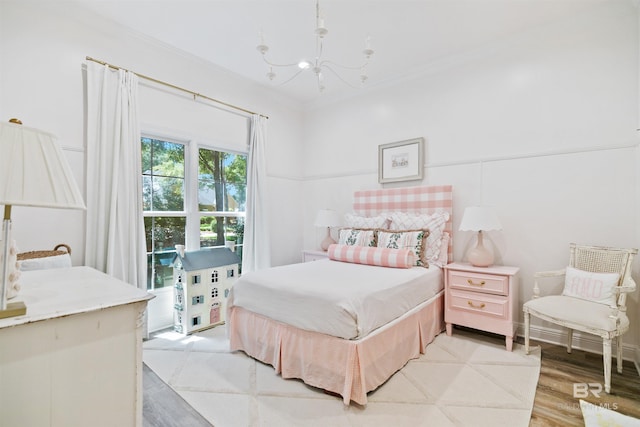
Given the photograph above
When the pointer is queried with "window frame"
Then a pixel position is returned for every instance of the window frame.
(190, 210)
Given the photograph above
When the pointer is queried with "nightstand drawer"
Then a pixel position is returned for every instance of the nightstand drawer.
(486, 283)
(475, 302)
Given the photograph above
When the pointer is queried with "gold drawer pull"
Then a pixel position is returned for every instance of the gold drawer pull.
(475, 306)
(469, 281)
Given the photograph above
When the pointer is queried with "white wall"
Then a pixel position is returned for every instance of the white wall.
(43, 48)
(541, 126)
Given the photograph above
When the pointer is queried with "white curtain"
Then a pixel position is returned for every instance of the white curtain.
(256, 251)
(115, 242)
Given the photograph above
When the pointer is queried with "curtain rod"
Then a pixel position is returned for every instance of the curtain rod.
(195, 94)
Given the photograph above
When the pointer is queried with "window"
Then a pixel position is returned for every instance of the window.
(222, 193)
(185, 186)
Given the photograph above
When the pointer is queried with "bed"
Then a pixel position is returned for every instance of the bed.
(347, 343)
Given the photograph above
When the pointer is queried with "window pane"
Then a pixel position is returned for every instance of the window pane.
(167, 158)
(167, 194)
(215, 230)
(162, 236)
(146, 155)
(146, 193)
(222, 181)
(162, 175)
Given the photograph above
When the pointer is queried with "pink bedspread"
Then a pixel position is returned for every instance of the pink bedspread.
(350, 368)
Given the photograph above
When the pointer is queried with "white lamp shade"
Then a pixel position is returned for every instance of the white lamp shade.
(34, 171)
(327, 218)
(478, 218)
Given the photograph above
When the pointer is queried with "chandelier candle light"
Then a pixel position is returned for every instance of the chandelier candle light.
(320, 64)
(33, 172)
(480, 219)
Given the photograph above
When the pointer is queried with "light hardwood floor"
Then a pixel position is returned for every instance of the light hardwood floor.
(554, 403)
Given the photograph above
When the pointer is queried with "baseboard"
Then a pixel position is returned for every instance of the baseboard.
(586, 342)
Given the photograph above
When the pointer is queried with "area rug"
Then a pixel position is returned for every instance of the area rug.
(466, 379)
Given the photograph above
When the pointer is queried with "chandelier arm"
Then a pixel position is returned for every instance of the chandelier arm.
(347, 67)
(291, 78)
(326, 67)
(273, 64)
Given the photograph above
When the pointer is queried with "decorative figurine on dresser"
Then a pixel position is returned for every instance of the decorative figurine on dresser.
(202, 280)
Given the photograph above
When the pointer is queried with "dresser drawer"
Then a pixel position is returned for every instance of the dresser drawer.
(475, 302)
(486, 283)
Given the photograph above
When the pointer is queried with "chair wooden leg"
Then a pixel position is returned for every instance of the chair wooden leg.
(606, 358)
(526, 332)
(619, 353)
(569, 339)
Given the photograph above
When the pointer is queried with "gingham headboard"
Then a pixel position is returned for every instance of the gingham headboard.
(436, 198)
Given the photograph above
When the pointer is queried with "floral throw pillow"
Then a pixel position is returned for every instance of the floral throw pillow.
(406, 239)
(357, 237)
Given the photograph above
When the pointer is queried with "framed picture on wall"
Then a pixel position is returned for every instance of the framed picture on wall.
(401, 161)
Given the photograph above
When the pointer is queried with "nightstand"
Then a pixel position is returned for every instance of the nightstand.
(313, 255)
(484, 298)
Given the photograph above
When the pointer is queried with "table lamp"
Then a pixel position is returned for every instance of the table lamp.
(33, 172)
(327, 218)
(480, 219)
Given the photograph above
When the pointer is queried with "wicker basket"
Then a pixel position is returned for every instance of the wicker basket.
(43, 254)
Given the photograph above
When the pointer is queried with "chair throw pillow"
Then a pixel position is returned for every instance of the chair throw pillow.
(596, 287)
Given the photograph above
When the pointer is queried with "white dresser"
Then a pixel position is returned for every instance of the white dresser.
(75, 358)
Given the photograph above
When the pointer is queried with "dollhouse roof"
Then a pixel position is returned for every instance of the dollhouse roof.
(207, 258)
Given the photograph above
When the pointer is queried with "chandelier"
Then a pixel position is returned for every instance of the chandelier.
(319, 65)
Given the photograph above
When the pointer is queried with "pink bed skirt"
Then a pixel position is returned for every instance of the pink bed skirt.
(350, 368)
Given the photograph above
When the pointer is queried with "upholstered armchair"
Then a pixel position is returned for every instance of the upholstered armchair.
(593, 301)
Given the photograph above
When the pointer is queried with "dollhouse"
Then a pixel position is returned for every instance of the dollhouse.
(202, 280)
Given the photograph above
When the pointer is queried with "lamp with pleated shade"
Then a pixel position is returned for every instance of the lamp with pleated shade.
(33, 172)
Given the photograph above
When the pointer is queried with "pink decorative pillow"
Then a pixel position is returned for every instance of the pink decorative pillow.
(383, 257)
(596, 287)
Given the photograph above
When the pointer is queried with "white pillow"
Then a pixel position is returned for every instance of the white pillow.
(443, 259)
(435, 223)
(596, 287)
(57, 261)
(359, 221)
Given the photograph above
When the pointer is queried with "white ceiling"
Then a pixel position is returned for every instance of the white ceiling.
(407, 35)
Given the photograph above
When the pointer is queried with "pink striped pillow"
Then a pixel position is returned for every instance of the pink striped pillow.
(383, 257)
